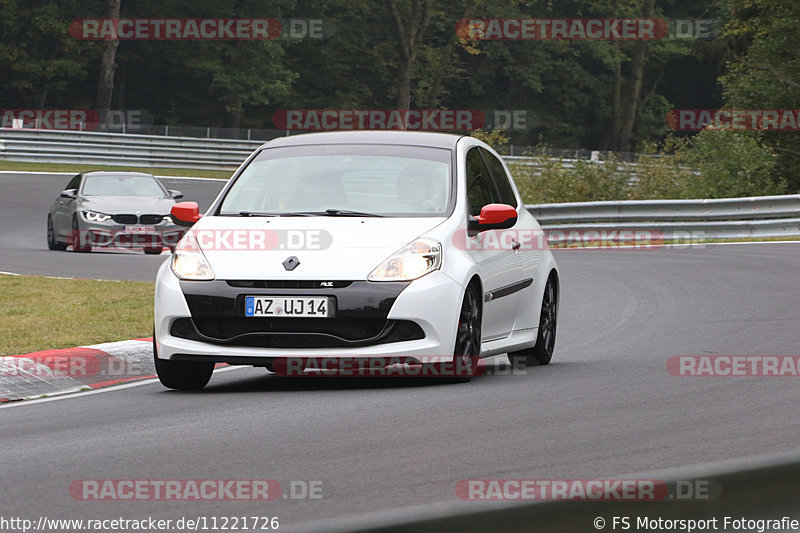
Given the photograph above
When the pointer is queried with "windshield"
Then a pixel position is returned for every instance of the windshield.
(377, 180)
(122, 185)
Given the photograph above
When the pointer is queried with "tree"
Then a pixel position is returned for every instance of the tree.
(411, 28)
(105, 83)
(40, 63)
(764, 70)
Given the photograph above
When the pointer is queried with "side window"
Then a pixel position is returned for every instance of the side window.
(480, 190)
(74, 183)
(500, 178)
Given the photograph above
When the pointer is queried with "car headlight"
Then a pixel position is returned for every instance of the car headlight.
(94, 216)
(189, 262)
(413, 261)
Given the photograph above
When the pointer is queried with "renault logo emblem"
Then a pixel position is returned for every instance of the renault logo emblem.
(291, 263)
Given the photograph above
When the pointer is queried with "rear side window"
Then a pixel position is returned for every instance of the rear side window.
(480, 189)
(74, 183)
(500, 178)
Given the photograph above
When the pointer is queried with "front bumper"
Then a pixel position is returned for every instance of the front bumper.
(204, 320)
(112, 235)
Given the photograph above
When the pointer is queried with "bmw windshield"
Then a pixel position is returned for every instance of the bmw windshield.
(122, 185)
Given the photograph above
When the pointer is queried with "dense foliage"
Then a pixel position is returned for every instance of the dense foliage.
(389, 54)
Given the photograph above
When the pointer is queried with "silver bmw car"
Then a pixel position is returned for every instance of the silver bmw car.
(113, 209)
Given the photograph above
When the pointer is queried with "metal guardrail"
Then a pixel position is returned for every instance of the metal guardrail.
(763, 488)
(69, 147)
(759, 216)
(78, 147)
(767, 216)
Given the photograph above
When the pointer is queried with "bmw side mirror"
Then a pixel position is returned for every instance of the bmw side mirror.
(177, 195)
(185, 213)
(493, 216)
(69, 193)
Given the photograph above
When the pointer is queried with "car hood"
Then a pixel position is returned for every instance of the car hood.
(113, 205)
(328, 248)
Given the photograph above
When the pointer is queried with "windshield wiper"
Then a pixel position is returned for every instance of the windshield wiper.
(326, 213)
(348, 213)
(264, 214)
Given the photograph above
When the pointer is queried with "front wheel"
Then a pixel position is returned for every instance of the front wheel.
(153, 251)
(52, 243)
(78, 239)
(542, 351)
(182, 375)
(468, 336)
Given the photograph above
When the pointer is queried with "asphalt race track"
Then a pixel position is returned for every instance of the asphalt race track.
(24, 202)
(606, 406)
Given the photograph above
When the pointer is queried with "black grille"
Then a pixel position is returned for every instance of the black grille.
(125, 219)
(151, 219)
(288, 284)
(296, 332)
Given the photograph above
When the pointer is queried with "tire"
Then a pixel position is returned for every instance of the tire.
(182, 375)
(52, 244)
(152, 251)
(77, 241)
(467, 347)
(542, 351)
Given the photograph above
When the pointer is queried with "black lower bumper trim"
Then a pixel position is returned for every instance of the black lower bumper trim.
(308, 332)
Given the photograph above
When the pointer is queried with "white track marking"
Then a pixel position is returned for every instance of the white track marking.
(22, 403)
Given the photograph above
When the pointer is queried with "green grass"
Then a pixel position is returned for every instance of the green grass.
(58, 167)
(43, 313)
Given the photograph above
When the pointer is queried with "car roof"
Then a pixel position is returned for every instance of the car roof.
(116, 173)
(407, 138)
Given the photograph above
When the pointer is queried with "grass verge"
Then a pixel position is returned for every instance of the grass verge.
(44, 313)
(58, 167)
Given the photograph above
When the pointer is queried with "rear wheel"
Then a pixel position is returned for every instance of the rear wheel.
(52, 244)
(78, 239)
(182, 375)
(542, 351)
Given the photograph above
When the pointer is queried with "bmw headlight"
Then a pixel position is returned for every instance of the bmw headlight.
(189, 262)
(94, 216)
(413, 261)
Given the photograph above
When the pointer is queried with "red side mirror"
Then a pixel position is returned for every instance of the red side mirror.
(494, 216)
(185, 213)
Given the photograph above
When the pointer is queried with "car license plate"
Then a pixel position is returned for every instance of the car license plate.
(287, 306)
(140, 229)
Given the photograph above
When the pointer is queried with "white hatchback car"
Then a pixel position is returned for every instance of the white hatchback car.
(357, 245)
